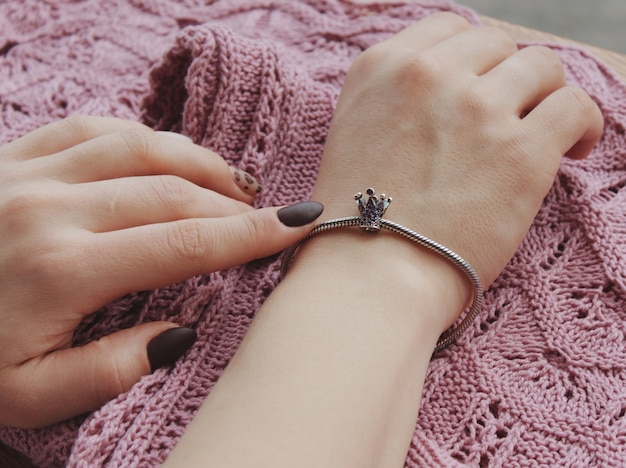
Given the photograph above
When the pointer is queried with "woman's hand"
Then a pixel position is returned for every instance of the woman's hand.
(464, 131)
(466, 134)
(91, 209)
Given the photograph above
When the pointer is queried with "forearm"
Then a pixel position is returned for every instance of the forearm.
(331, 370)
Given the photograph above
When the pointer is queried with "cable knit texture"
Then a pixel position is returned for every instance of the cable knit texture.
(538, 380)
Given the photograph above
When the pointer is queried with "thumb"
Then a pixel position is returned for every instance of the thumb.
(73, 381)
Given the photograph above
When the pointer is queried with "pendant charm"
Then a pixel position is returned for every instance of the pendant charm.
(372, 209)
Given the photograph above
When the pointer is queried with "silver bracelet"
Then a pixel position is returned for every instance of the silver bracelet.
(371, 219)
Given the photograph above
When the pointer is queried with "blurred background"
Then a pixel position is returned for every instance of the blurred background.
(600, 23)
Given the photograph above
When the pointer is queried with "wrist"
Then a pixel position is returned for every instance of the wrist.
(354, 323)
(383, 263)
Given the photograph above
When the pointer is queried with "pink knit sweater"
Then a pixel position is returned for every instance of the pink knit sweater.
(538, 380)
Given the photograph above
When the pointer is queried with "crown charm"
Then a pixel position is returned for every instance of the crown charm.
(371, 210)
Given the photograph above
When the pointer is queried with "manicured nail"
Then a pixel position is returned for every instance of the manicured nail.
(178, 136)
(165, 348)
(246, 182)
(300, 213)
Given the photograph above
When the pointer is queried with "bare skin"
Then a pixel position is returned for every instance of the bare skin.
(94, 208)
(469, 132)
(466, 134)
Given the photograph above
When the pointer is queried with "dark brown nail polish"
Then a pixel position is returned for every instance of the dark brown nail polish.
(300, 213)
(167, 347)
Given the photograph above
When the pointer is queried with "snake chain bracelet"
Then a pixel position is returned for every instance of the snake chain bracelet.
(371, 219)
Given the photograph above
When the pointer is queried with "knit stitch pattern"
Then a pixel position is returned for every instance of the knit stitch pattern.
(540, 377)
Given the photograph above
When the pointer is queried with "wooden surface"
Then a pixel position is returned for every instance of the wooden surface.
(11, 459)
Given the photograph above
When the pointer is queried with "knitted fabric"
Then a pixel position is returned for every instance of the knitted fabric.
(540, 377)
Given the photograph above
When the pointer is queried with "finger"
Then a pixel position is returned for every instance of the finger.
(477, 50)
(429, 31)
(143, 152)
(110, 205)
(64, 134)
(73, 381)
(524, 79)
(568, 118)
(151, 256)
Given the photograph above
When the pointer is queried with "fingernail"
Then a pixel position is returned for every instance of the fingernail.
(178, 136)
(246, 182)
(300, 213)
(165, 348)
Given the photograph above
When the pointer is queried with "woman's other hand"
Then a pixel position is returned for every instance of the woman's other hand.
(93, 208)
(462, 129)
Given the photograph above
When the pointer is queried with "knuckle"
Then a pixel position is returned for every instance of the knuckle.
(111, 376)
(501, 38)
(370, 60)
(253, 229)
(20, 206)
(421, 70)
(545, 57)
(48, 266)
(39, 252)
(452, 21)
(190, 241)
(579, 98)
(171, 190)
(86, 127)
(477, 106)
(139, 143)
(80, 125)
